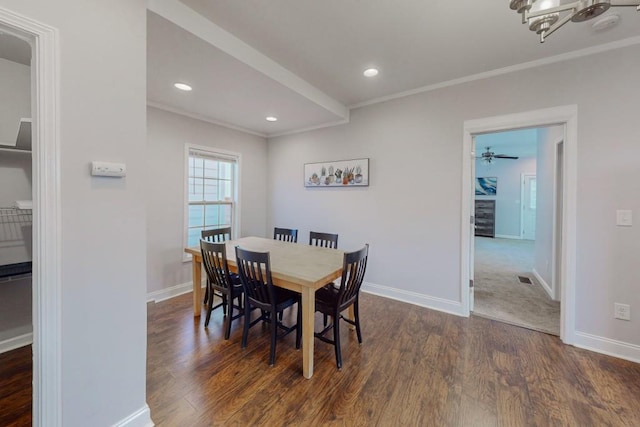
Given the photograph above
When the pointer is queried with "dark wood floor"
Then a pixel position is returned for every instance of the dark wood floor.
(15, 387)
(415, 367)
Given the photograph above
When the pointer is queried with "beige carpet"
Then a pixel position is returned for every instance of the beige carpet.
(500, 295)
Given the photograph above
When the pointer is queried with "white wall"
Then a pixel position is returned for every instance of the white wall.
(167, 134)
(15, 102)
(411, 212)
(545, 172)
(102, 113)
(507, 195)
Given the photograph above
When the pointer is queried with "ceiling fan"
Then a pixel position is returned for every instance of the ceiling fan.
(489, 155)
(546, 16)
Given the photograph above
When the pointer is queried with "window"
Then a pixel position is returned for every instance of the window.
(211, 192)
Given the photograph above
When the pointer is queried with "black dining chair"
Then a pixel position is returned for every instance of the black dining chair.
(325, 240)
(216, 235)
(331, 301)
(285, 234)
(227, 284)
(254, 269)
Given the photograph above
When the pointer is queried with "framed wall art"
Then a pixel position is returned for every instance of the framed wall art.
(486, 186)
(339, 173)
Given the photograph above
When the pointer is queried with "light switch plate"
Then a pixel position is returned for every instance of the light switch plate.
(624, 218)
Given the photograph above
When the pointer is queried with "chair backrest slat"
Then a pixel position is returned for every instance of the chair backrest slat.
(325, 240)
(216, 235)
(285, 234)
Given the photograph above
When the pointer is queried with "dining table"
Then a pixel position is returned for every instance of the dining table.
(297, 267)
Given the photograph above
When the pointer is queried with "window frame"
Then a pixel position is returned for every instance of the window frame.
(235, 190)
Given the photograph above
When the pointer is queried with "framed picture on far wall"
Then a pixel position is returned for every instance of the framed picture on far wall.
(486, 186)
(339, 173)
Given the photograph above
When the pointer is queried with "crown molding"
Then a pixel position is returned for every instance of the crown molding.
(505, 70)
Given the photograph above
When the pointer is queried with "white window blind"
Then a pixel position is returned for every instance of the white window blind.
(211, 192)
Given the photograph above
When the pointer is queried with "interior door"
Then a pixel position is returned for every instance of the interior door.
(528, 207)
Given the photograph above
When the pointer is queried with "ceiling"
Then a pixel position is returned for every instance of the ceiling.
(302, 60)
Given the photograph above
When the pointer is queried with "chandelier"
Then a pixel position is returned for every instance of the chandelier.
(546, 16)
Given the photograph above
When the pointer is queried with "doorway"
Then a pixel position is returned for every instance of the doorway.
(566, 241)
(46, 238)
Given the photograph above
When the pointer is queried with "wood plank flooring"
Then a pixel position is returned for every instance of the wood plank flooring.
(416, 367)
(15, 387)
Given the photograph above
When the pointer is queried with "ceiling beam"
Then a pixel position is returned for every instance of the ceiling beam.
(201, 27)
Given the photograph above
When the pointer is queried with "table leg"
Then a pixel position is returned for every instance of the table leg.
(197, 286)
(352, 316)
(308, 312)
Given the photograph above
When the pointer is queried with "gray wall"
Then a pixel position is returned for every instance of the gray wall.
(507, 195)
(102, 115)
(15, 102)
(545, 172)
(411, 212)
(167, 135)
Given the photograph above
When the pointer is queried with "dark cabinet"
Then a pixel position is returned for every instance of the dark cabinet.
(485, 218)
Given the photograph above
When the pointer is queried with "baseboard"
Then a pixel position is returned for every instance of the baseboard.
(619, 349)
(440, 304)
(173, 291)
(140, 418)
(507, 236)
(543, 283)
(16, 342)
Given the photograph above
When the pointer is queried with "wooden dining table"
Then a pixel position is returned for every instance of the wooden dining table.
(297, 267)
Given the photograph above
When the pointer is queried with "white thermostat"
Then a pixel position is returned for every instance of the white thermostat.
(108, 169)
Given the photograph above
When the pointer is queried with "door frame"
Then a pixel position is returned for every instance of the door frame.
(563, 115)
(47, 260)
(523, 177)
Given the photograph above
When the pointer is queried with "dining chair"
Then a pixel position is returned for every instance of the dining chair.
(215, 235)
(227, 284)
(331, 301)
(254, 269)
(285, 234)
(325, 240)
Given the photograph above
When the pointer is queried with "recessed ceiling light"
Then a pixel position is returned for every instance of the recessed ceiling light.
(183, 86)
(271, 119)
(370, 72)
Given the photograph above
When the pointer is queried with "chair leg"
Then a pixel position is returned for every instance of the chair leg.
(206, 293)
(247, 320)
(227, 330)
(356, 319)
(224, 304)
(274, 333)
(209, 310)
(324, 319)
(336, 339)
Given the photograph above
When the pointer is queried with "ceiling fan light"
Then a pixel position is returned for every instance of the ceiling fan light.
(543, 23)
(589, 9)
(521, 6)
